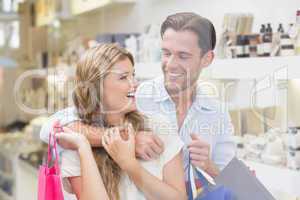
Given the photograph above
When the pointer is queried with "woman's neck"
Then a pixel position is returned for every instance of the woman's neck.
(114, 119)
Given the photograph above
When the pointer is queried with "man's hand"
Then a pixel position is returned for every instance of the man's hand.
(200, 155)
(148, 146)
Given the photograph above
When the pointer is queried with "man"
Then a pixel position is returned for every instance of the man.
(188, 41)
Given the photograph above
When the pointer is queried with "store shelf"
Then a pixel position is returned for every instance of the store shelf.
(241, 68)
(8, 16)
(83, 6)
(256, 68)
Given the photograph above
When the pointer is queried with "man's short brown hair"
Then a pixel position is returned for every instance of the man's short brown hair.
(201, 26)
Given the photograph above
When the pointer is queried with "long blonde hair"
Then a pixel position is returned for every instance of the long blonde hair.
(90, 72)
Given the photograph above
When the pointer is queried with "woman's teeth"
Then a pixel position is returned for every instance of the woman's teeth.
(130, 94)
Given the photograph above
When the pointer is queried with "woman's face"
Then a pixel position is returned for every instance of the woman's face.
(119, 87)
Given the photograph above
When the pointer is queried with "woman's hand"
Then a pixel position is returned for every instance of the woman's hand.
(120, 148)
(71, 140)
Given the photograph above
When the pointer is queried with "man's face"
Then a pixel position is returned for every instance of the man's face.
(181, 59)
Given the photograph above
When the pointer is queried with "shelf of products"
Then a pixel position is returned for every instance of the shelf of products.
(255, 68)
(238, 41)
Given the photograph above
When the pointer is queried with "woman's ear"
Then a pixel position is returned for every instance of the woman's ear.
(207, 59)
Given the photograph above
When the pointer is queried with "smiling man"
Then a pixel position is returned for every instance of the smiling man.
(202, 122)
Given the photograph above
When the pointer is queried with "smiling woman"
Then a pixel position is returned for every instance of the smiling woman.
(104, 77)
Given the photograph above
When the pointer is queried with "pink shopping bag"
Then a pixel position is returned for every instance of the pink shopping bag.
(49, 181)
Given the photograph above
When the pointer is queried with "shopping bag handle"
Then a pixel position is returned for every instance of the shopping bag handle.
(55, 129)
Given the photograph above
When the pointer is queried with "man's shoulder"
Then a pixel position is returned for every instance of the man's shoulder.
(210, 104)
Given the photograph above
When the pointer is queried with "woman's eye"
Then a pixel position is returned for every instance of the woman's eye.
(123, 77)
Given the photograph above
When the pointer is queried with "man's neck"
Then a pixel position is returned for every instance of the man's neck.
(183, 101)
(185, 98)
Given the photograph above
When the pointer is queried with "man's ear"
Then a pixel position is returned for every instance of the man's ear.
(207, 58)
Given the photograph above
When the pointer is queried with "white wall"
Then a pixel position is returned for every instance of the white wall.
(134, 18)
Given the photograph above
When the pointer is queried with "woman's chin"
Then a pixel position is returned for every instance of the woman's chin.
(133, 107)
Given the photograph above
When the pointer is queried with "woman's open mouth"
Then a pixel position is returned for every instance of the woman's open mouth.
(131, 95)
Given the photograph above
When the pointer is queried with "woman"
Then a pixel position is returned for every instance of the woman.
(104, 96)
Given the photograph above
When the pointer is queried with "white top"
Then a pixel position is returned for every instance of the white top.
(70, 163)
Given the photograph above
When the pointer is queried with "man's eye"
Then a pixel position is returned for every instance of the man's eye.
(166, 53)
(184, 57)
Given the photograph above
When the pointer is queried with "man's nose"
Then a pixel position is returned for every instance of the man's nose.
(171, 63)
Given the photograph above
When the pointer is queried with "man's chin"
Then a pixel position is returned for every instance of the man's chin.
(173, 90)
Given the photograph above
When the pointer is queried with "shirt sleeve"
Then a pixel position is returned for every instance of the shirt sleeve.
(70, 164)
(65, 117)
(173, 146)
(225, 147)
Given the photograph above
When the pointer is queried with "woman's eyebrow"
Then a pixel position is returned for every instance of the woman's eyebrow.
(121, 72)
(118, 71)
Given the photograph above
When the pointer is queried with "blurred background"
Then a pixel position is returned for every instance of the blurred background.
(255, 73)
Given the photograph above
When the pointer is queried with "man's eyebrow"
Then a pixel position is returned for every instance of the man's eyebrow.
(164, 49)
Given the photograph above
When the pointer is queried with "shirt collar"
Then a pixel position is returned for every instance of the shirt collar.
(203, 102)
(161, 93)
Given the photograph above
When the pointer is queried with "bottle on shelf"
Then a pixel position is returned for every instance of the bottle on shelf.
(276, 40)
(286, 45)
(267, 40)
(254, 41)
(239, 47)
(280, 29)
(246, 44)
(292, 31)
(297, 39)
(260, 46)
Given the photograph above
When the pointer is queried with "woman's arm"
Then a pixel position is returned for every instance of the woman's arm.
(89, 185)
(122, 151)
